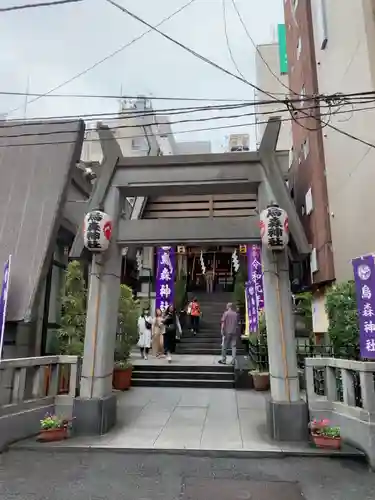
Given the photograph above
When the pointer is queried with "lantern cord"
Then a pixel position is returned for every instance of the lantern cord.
(95, 334)
(283, 346)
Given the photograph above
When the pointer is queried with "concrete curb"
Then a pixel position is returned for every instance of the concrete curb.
(345, 453)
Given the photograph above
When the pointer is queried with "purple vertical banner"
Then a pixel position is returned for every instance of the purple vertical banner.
(165, 277)
(255, 275)
(364, 277)
(251, 306)
(4, 302)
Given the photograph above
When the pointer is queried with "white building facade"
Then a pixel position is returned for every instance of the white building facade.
(345, 58)
(268, 54)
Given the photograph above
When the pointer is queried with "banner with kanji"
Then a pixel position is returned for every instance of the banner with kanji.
(165, 277)
(251, 308)
(364, 277)
(255, 274)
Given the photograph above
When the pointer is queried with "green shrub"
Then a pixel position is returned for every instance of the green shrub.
(341, 308)
(73, 318)
(127, 336)
(73, 315)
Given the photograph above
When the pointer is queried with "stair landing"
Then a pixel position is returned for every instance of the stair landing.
(202, 371)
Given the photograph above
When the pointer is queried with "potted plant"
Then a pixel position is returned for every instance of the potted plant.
(258, 350)
(127, 337)
(325, 435)
(53, 428)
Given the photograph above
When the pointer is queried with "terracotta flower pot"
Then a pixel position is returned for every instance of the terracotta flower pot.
(261, 381)
(50, 435)
(326, 442)
(122, 378)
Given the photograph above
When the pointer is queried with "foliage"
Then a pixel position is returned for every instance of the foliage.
(180, 292)
(303, 308)
(73, 318)
(341, 308)
(258, 347)
(323, 428)
(129, 310)
(52, 422)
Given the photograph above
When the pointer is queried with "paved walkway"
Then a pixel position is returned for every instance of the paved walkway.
(176, 419)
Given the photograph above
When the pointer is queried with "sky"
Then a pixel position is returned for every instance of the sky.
(47, 46)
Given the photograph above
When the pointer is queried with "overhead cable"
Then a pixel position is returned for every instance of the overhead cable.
(104, 59)
(191, 51)
(6, 126)
(178, 132)
(37, 5)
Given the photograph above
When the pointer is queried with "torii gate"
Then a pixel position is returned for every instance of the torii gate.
(230, 173)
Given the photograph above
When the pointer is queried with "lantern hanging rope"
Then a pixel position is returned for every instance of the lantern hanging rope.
(203, 265)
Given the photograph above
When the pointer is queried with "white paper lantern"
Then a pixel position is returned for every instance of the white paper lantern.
(97, 231)
(274, 228)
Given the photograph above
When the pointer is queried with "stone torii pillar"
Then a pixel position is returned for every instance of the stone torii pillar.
(95, 409)
(287, 413)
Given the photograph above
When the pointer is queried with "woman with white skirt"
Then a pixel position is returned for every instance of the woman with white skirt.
(144, 330)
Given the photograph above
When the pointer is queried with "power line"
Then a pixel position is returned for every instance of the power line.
(104, 59)
(221, 127)
(138, 125)
(217, 66)
(257, 49)
(131, 113)
(112, 96)
(231, 55)
(191, 51)
(36, 5)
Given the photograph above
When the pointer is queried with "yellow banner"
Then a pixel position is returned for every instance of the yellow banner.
(247, 324)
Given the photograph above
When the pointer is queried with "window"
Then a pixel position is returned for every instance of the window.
(306, 148)
(302, 95)
(309, 202)
(299, 47)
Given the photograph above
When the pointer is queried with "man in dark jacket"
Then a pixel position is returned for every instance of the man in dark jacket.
(229, 332)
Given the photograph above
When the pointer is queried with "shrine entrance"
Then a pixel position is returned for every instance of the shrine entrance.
(261, 173)
(217, 259)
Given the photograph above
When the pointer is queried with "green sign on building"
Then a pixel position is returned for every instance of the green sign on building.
(283, 56)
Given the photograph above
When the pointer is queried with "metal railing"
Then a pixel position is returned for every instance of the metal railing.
(258, 351)
(345, 381)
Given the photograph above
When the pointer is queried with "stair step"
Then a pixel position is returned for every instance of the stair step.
(205, 384)
(200, 340)
(181, 375)
(201, 345)
(188, 368)
(195, 351)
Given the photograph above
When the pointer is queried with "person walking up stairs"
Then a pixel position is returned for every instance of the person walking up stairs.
(194, 310)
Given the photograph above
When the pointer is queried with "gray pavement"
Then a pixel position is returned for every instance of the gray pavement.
(217, 422)
(105, 475)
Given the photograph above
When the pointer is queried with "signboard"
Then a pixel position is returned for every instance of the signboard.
(364, 277)
(4, 302)
(243, 249)
(283, 55)
(181, 250)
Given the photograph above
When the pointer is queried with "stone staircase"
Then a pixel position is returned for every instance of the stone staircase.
(188, 372)
(178, 375)
(208, 340)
